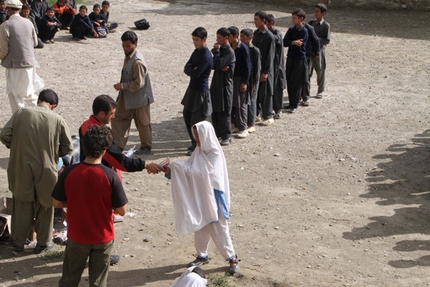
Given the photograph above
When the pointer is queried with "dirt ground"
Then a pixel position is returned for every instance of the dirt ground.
(336, 194)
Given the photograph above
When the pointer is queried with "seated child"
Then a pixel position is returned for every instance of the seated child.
(64, 11)
(105, 12)
(25, 13)
(96, 18)
(81, 25)
(49, 26)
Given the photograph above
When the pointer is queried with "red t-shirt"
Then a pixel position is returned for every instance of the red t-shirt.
(91, 192)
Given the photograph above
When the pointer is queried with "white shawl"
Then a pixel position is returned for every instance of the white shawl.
(189, 279)
(197, 182)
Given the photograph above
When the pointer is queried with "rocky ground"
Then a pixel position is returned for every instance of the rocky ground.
(333, 195)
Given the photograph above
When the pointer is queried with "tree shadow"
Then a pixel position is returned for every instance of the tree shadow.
(401, 179)
(375, 22)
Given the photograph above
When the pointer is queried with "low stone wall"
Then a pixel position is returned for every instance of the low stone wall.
(421, 5)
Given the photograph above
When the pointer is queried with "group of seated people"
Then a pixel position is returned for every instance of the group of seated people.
(47, 20)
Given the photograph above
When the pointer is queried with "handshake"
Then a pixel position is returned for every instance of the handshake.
(153, 167)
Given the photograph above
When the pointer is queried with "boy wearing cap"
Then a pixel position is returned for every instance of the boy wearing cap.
(22, 82)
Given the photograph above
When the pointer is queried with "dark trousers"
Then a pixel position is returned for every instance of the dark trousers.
(48, 33)
(65, 19)
(222, 124)
(306, 92)
(79, 31)
(278, 97)
(265, 101)
(239, 112)
(191, 118)
(252, 106)
(296, 72)
(239, 117)
(75, 260)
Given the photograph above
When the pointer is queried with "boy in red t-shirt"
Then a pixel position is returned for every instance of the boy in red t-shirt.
(90, 191)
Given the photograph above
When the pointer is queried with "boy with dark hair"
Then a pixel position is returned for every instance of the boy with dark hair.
(254, 80)
(3, 11)
(25, 13)
(222, 85)
(242, 72)
(265, 41)
(104, 108)
(49, 26)
(105, 13)
(90, 191)
(81, 26)
(322, 29)
(297, 68)
(197, 101)
(64, 11)
(278, 67)
(312, 52)
(96, 18)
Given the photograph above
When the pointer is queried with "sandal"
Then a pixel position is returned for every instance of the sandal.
(234, 265)
(306, 104)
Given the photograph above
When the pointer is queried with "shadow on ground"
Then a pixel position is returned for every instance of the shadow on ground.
(342, 20)
(394, 186)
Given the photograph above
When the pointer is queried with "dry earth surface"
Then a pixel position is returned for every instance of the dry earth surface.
(334, 195)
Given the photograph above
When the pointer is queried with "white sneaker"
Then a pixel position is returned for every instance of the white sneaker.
(258, 119)
(242, 134)
(234, 130)
(267, 122)
(319, 96)
(251, 129)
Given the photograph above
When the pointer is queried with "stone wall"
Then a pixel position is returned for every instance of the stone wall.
(421, 5)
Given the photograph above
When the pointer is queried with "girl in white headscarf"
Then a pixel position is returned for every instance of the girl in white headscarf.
(201, 196)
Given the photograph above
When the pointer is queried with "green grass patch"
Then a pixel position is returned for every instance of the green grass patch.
(50, 255)
(219, 281)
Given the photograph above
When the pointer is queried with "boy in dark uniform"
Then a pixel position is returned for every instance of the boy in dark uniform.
(254, 80)
(197, 100)
(222, 85)
(49, 26)
(297, 68)
(265, 41)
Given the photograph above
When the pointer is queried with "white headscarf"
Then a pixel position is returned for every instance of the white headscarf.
(189, 279)
(194, 182)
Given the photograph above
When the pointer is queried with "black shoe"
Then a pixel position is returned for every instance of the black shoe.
(143, 150)
(292, 111)
(114, 259)
(199, 261)
(42, 248)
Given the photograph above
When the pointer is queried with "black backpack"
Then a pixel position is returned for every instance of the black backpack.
(142, 24)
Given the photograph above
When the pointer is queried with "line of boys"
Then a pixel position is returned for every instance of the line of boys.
(250, 75)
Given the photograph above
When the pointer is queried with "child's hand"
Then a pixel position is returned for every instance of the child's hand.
(166, 169)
